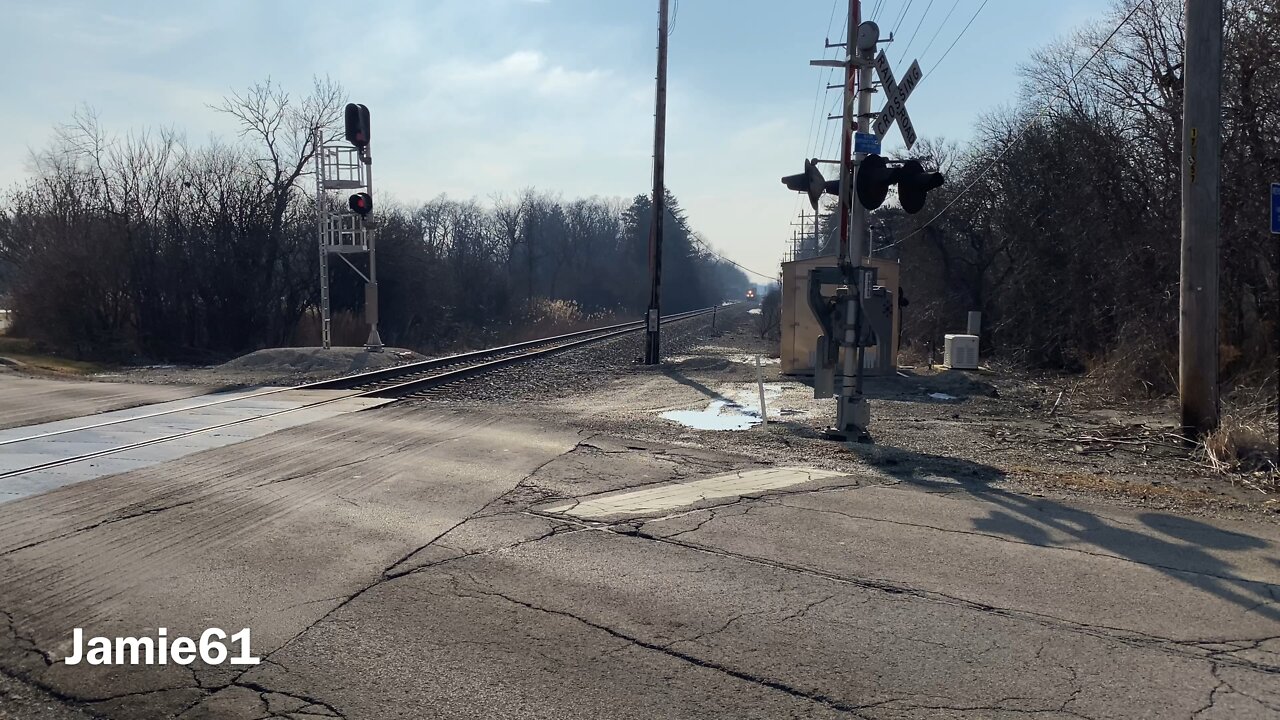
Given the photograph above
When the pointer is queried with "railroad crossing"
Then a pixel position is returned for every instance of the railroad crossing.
(449, 551)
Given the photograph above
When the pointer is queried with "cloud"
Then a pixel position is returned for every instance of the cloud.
(520, 71)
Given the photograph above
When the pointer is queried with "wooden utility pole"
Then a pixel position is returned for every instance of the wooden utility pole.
(1201, 153)
(651, 346)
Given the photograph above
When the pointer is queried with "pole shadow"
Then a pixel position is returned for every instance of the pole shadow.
(1174, 546)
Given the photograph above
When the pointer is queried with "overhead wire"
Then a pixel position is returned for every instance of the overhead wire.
(903, 16)
(817, 115)
(822, 83)
(818, 147)
(708, 248)
(1025, 127)
(915, 32)
(939, 30)
(962, 32)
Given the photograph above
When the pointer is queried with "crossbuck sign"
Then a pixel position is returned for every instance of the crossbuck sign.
(896, 96)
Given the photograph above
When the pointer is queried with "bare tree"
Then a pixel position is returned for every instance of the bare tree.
(286, 128)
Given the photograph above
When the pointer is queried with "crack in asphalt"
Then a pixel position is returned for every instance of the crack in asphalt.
(1122, 635)
(1213, 694)
(23, 642)
(98, 524)
(997, 706)
(818, 698)
(78, 703)
(311, 702)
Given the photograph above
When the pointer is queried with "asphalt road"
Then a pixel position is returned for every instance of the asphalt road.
(426, 564)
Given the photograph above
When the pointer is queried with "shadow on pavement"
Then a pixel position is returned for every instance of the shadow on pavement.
(1172, 545)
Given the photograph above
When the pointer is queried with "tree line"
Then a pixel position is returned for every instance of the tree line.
(144, 246)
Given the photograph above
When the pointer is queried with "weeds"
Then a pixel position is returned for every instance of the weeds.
(1246, 445)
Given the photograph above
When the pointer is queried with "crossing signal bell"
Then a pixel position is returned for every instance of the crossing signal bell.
(361, 204)
(812, 183)
(875, 176)
(357, 125)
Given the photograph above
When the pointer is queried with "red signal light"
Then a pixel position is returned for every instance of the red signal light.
(361, 204)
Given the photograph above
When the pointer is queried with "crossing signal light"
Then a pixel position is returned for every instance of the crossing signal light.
(873, 181)
(915, 184)
(357, 122)
(875, 176)
(812, 183)
(361, 204)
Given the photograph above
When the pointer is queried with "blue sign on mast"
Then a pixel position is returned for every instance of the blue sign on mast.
(1275, 208)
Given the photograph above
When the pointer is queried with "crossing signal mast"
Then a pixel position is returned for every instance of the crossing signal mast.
(859, 314)
(347, 232)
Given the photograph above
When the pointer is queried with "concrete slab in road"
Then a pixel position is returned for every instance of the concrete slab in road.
(660, 498)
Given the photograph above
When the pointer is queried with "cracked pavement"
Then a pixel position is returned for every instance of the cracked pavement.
(402, 563)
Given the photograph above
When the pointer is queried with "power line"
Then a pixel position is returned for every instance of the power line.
(822, 83)
(707, 247)
(953, 42)
(826, 133)
(901, 17)
(1023, 130)
(818, 105)
(917, 30)
(939, 30)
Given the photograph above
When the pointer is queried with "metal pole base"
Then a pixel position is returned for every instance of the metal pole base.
(838, 435)
(853, 417)
(374, 343)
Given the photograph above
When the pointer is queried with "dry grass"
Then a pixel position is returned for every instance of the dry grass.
(1141, 366)
(24, 354)
(346, 329)
(557, 317)
(1246, 445)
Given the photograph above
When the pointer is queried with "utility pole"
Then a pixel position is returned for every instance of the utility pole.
(1201, 153)
(651, 345)
(846, 134)
(853, 413)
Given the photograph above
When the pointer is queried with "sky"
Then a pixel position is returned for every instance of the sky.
(476, 98)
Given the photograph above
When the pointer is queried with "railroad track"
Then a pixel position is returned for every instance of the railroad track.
(393, 383)
(407, 380)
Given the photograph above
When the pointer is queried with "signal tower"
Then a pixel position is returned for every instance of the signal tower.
(348, 231)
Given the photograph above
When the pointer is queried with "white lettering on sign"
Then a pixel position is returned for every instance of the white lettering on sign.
(896, 95)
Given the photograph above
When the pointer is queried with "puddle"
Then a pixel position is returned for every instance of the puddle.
(742, 412)
(943, 396)
(751, 360)
(714, 417)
